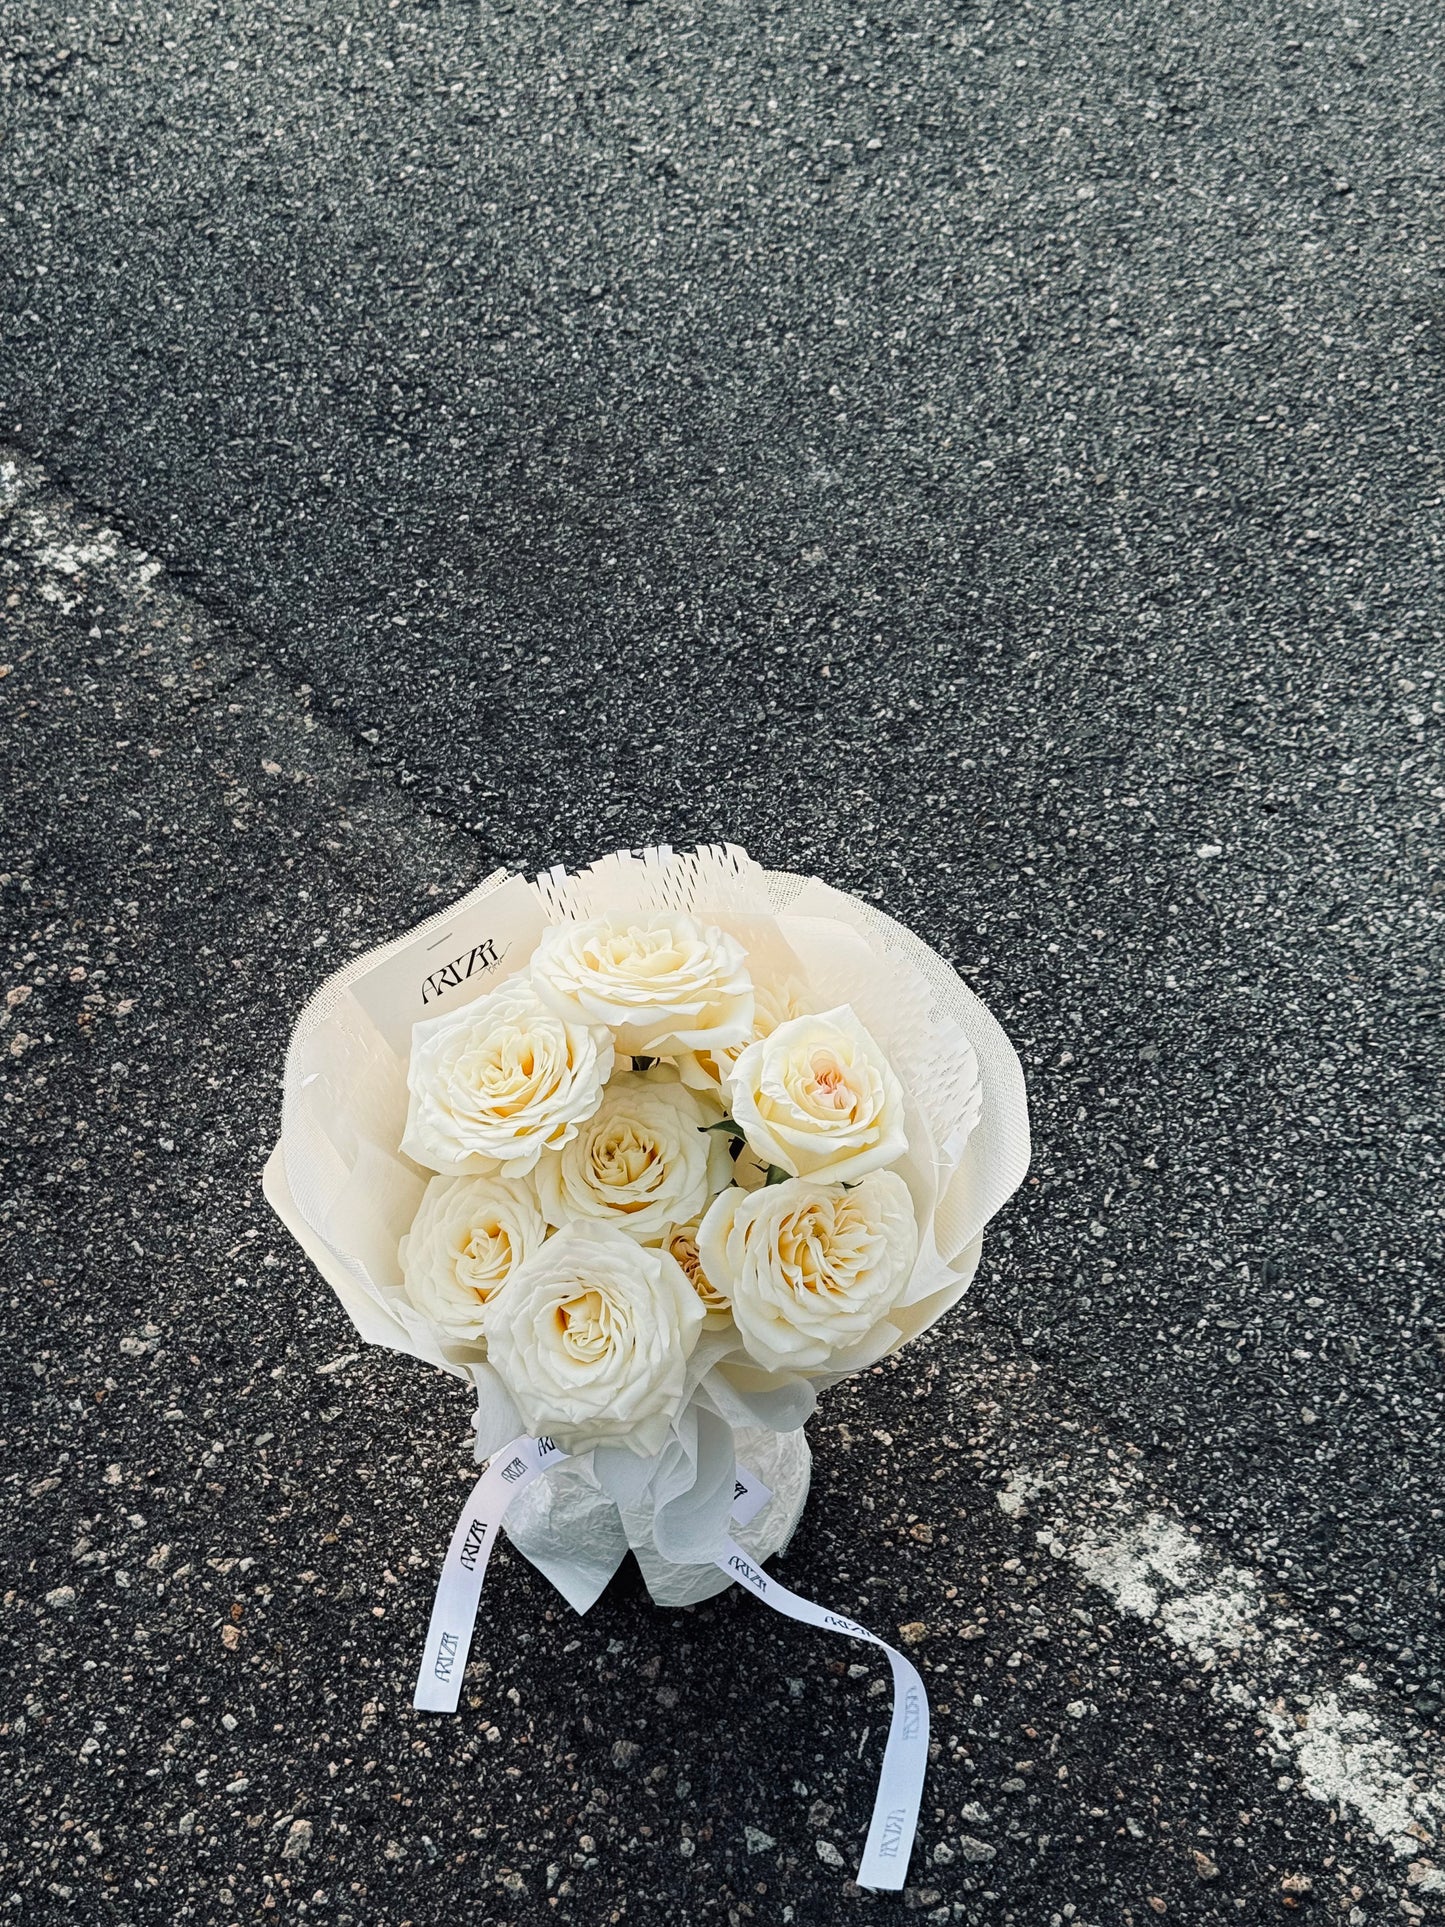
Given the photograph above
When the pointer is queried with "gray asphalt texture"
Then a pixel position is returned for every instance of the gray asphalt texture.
(224, 1524)
(994, 461)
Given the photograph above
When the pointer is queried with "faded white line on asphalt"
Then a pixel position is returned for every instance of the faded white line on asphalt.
(65, 558)
(1314, 1707)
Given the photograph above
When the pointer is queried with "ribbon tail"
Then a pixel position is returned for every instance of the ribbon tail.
(905, 1758)
(459, 1589)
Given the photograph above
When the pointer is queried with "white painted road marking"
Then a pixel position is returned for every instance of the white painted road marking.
(1344, 1746)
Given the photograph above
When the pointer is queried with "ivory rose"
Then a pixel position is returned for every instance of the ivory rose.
(640, 1162)
(660, 981)
(809, 1268)
(709, 1070)
(681, 1242)
(499, 1081)
(467, 1238)
(818, 1099)
(592, 1337)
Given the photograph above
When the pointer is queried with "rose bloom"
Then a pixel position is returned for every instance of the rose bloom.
(640, 1162)
(660, 981)
(809, 1268)
(499, 1081)
(681, 1242)
(818, 1099)
(708, 1070)
(469, 1235)
(592, 1337)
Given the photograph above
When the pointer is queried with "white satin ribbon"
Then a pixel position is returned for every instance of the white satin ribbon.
(459, 1591)
(905, 1758)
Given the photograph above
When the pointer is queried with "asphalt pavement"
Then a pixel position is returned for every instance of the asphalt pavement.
(992, 461)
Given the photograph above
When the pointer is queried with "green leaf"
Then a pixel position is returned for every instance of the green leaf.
(776, 1175)
(726, 1124)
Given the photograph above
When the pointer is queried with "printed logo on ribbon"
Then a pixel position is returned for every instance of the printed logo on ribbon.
(912, 1721)
(837, 1624)
(749, 1574)
(894, 1826)
(473, 1543)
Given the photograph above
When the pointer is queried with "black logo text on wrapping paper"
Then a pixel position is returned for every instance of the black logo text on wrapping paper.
(472, 1544)
(513, 1470)
(481, 957)
(892, 1836)
(446, 1656)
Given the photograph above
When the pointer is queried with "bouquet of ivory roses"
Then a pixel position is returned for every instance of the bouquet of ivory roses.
(649, 1155)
